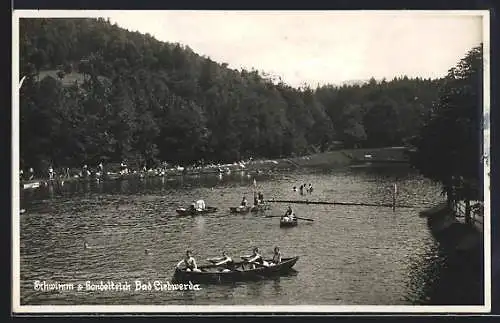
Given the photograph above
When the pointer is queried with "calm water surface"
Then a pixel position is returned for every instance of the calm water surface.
(349, 255)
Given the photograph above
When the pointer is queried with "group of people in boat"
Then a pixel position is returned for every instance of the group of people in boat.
(198, 205)
(258, 199)
(226, 263)
(289, 215)
(304, 187)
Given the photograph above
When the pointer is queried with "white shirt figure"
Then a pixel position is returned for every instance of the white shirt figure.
(200, 205)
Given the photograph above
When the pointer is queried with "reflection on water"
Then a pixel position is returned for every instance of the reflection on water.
(348, 255)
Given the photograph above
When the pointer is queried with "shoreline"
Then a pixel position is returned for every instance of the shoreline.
(462, 245)
(356, 158)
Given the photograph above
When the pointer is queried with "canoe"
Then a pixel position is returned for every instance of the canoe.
(243, 272)
(184, 211)
(287, 222)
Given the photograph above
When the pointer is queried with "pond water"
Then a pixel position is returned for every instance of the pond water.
(349, 255)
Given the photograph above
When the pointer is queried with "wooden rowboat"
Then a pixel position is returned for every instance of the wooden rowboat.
(246, 209)
(260, 208)
(243, 271)
(286, 222)
(240, 209)
(189, 211)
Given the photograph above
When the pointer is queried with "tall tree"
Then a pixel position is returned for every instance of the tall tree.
(449, 146)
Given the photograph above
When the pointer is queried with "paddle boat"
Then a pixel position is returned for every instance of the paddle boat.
(242, 271)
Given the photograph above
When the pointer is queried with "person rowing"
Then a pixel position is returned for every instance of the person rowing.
(225, 262)
(289, 216)
(256, 258)
(189, 262)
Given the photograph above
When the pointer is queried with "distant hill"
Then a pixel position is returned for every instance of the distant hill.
(142, 99)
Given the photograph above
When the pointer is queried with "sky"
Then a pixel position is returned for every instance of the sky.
(318, 47)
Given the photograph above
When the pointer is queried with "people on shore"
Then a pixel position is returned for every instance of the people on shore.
(31, 174)
(189, 262)
(294, 188)
(301, 189)
(51, 172)
(85, 171)
(310, 188)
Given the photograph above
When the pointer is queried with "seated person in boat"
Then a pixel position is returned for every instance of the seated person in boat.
(256, 257)
(225, 262)
(289, 215)
(244, 201)
(276, 256)
(200, 205)
(192, 207)
(189, 262)
(260, 198)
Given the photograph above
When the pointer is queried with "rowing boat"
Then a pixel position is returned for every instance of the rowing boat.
(243, 271)
(240, 209)
(246, 209)
(260, 208)
(189, 211)
(286, 222)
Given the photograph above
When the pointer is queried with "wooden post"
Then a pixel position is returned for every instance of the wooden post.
(394, 192)
(468, 219)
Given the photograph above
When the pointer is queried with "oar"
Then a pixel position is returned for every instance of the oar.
(306, 219)
(253, 262)
(279, 216)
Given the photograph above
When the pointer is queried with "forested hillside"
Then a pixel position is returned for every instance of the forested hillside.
(95, 91)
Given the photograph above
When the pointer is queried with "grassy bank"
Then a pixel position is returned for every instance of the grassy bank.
(346, 157)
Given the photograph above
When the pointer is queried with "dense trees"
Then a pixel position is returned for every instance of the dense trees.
(145, 100)
(449, 146)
